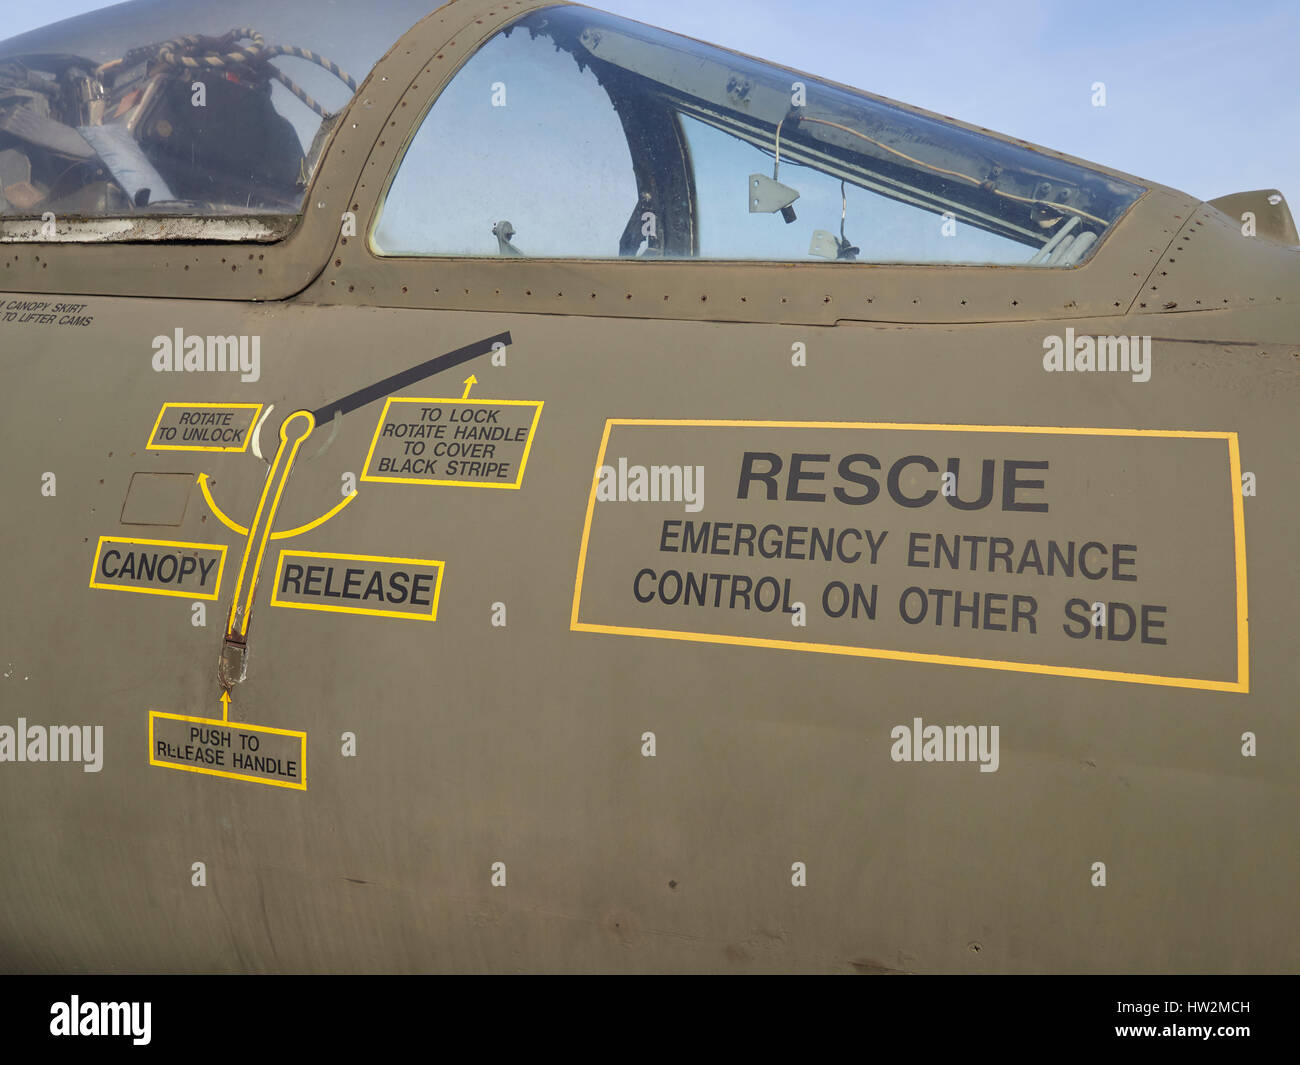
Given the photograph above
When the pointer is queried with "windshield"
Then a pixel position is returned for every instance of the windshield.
(183, 106)
(576, 134)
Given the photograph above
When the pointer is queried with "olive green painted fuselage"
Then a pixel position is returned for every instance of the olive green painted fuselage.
(509, 725)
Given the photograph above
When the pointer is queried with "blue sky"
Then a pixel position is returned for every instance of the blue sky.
(1199, 96)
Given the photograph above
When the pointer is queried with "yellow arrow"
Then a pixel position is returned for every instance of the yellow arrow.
(225, 706)
(234, 526)
(319, 521)
(470, 382)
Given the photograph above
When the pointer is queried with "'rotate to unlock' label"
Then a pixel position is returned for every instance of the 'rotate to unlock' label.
(203, 426)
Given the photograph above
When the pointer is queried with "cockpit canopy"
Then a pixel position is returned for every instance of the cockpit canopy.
(575, 134)
(568, 134)
(182, 106)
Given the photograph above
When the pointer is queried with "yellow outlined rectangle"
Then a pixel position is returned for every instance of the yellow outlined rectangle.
(523, 462)
(1241, 684)
(302, 761)
(410, 615)
(256, 408)
(94, 567)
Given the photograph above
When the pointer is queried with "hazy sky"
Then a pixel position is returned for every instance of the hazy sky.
(1200, 96)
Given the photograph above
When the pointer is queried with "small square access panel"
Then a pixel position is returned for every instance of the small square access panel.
(157, 498)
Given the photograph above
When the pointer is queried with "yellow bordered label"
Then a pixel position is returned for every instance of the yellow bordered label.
(214, 427)
(195, 570)
(1238, 582)
(376, 585)
(474, 443)
(255, 753)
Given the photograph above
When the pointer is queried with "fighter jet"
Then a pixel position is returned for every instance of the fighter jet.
(512, 489)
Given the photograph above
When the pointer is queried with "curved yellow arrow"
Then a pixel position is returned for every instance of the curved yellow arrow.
(233, 526)
(285, 534)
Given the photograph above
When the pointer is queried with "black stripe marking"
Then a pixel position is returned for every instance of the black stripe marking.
(388, 385)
